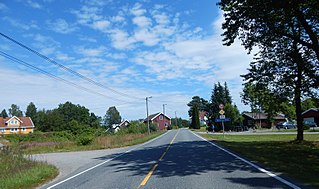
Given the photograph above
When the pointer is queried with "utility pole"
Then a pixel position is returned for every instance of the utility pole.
(148, 121)
(164, 108)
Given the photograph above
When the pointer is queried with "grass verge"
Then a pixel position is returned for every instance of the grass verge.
(16, 171)
(101, 142)
(298, 160)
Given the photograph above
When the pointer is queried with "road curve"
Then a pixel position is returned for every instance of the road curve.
(177, 159)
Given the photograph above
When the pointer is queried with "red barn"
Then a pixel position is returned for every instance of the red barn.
(162, 121)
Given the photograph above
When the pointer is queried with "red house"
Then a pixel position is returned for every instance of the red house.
(162, 121)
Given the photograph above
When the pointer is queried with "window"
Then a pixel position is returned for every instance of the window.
(165, 124)
(2, 130)
(23, 129)
(161, 117)
(14, 130)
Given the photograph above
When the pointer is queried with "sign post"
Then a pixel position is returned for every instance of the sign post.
(222, 117)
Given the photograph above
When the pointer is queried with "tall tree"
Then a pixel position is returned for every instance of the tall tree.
(112, 116)
(201, 103)
(4, 113)
(195, 124)
(286, 33)
(71, 112)
(15, 111)
(220, 95)
(31, 111)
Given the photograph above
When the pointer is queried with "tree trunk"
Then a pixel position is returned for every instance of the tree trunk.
(298, 97)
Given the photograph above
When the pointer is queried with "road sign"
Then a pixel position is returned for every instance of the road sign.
(221, 112)
(221, 106)
(222, 117)
(222, 120)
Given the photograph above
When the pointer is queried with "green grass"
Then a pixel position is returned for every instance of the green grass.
(16, 171)
(298, 160)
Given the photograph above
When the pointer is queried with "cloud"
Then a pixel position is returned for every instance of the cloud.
(18, 24)
(91, 51)
(61, 26)
(34, 5)
(121, 39)
(101, 25)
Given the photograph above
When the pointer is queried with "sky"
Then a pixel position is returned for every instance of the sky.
(123, 52)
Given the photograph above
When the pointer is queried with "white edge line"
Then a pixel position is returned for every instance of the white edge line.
(50, 187)
(252, 164)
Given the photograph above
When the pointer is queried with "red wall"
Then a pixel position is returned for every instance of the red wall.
(161, 123)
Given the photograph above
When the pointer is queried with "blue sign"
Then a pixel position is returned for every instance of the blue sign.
(222, 120)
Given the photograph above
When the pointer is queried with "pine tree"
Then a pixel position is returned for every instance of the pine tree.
(4, 113)
(195, 118)
(31, 111)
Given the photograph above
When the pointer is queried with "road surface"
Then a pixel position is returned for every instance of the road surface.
(177, 159)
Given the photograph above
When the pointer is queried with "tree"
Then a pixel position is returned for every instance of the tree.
(232, 112)
(4, 113)
(15, 111)
(112, 116)
(195, 124)
(31, 111)
(71, 112)
(286, 33)
(220, 95)
(309, 103)
(201, 103)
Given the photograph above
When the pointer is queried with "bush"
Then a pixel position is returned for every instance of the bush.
(85, 139)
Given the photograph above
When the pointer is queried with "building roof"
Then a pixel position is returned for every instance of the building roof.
(24, 121)
(311, 109)
(260, 115)
(202, 114)
(154, 116)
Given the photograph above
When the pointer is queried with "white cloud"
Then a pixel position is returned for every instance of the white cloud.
(137, 10)
(91, 51)
(121, 39)
(142, 21)
(101, 25)
(61, 26)
(18, 24)
(34, 5)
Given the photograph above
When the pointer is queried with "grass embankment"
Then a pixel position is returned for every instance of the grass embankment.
(63, 141)
(16, 171)
(298, 160)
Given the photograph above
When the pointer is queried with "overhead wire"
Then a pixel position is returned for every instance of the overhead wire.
(67, 69)
(21, 62)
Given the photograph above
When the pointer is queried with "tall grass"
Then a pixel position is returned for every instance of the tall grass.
(17, 171)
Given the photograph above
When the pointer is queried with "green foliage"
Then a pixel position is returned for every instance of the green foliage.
(31, 111)
(195, 124)
(286, 33)
(3, 113)
(201, 103)
(309, 103)
(136, 127)
(179, 122)
(233, 113)
(220, 95)
(15, 111)
(70, 112)
(16, 171)
(112, 116)
(84, 139)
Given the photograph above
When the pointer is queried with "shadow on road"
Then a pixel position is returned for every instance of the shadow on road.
(191, 158)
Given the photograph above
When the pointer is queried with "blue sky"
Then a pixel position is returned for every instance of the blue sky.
(170, 50)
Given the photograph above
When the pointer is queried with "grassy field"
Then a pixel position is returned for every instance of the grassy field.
(280, 153)
(16, 171)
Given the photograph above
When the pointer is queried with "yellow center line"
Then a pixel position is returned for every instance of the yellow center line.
(148, 176)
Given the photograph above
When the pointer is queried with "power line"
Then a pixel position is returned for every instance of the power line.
(21, 62)
(66, 68)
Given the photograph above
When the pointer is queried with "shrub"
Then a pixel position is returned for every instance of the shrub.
(85, 139)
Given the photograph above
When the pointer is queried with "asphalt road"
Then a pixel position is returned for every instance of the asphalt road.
(177, 159)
